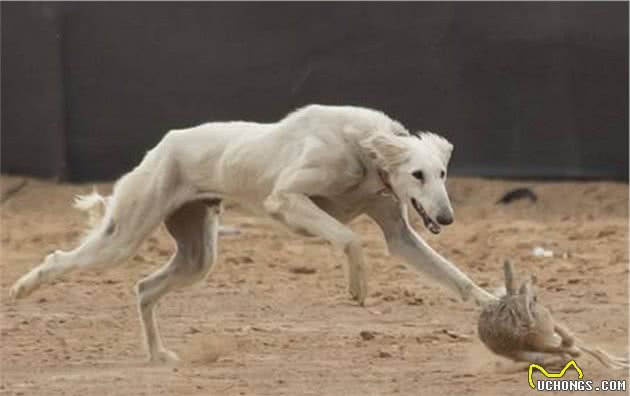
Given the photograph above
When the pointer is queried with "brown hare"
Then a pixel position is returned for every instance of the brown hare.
(519, 328)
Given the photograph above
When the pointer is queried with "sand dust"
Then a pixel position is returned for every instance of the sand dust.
(274, 317)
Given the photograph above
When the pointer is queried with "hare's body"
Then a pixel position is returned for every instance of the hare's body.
(519, 328)
(506, 332)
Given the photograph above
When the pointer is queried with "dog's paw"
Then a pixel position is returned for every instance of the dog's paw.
(24, 286)
(164, 356)
(482, 298)
(358, 293)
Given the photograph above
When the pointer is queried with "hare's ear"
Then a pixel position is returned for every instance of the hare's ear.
(528, 294)
(508, 271)
(387, 151)
(527, 288)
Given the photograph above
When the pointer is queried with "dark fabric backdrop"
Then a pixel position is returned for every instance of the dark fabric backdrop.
(521, 89)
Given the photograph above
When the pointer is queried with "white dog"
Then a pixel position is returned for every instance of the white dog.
(313, 171)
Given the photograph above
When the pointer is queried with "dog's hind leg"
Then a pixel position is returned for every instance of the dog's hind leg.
(194, 227)
(104, 248)
(138, 206)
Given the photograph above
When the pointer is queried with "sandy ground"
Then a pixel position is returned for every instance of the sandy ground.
(255, 327)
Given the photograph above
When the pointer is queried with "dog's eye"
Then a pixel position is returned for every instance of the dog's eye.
(418, 175)
(442, 174)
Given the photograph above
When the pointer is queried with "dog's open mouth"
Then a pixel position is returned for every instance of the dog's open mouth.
(431, 224)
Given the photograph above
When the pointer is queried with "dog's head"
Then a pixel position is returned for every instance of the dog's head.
(415, 168)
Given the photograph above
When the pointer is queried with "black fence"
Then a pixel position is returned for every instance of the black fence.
(522, 89)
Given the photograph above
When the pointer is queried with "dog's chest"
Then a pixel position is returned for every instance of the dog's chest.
(345, 207)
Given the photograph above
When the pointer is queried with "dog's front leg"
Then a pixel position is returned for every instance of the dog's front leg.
(422, 257)
(403, 241)
(300, 214)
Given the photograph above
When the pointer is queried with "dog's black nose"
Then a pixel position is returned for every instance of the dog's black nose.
(444, 219)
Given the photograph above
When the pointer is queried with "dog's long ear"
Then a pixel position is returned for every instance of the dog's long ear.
(443, 147)
(387, 151)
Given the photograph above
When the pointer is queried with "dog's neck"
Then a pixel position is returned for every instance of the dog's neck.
(369, 166)
(387, 189)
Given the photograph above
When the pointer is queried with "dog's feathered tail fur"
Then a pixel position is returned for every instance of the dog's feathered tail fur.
(94, 204)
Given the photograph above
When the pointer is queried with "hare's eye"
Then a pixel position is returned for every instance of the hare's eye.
(442, 174)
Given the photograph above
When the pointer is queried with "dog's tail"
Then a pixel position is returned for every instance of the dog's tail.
(94, 204)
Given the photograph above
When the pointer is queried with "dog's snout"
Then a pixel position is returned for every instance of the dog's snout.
(445, 219)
